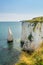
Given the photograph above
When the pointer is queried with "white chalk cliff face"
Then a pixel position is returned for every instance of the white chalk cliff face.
(32, 34)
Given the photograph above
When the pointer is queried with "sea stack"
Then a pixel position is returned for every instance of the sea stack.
(10, 36)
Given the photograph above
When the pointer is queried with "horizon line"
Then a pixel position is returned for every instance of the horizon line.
(17, 17)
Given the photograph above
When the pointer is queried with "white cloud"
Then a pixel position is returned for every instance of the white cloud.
(16, 17)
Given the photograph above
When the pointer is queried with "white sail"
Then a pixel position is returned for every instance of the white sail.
(10, 36)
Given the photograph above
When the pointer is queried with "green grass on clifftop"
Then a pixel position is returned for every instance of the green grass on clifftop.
(37, 19)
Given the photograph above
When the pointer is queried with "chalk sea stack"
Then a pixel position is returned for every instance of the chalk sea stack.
(10, 36)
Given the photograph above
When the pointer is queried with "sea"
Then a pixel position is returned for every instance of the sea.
(9, 53)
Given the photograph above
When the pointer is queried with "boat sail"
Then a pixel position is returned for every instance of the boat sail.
(10, 36)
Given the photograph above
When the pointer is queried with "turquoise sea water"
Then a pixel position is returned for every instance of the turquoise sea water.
(9, 53)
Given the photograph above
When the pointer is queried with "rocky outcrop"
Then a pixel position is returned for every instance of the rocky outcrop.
(10, 36)
(32, 34)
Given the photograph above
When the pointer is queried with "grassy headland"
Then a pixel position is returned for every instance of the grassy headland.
(37, 19)
(36, 58)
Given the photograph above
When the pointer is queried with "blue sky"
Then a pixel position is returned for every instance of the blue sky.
(20, 9)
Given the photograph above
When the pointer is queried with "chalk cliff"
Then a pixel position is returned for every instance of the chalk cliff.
(32, 33)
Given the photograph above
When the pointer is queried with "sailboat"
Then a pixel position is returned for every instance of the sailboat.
(10, 35)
